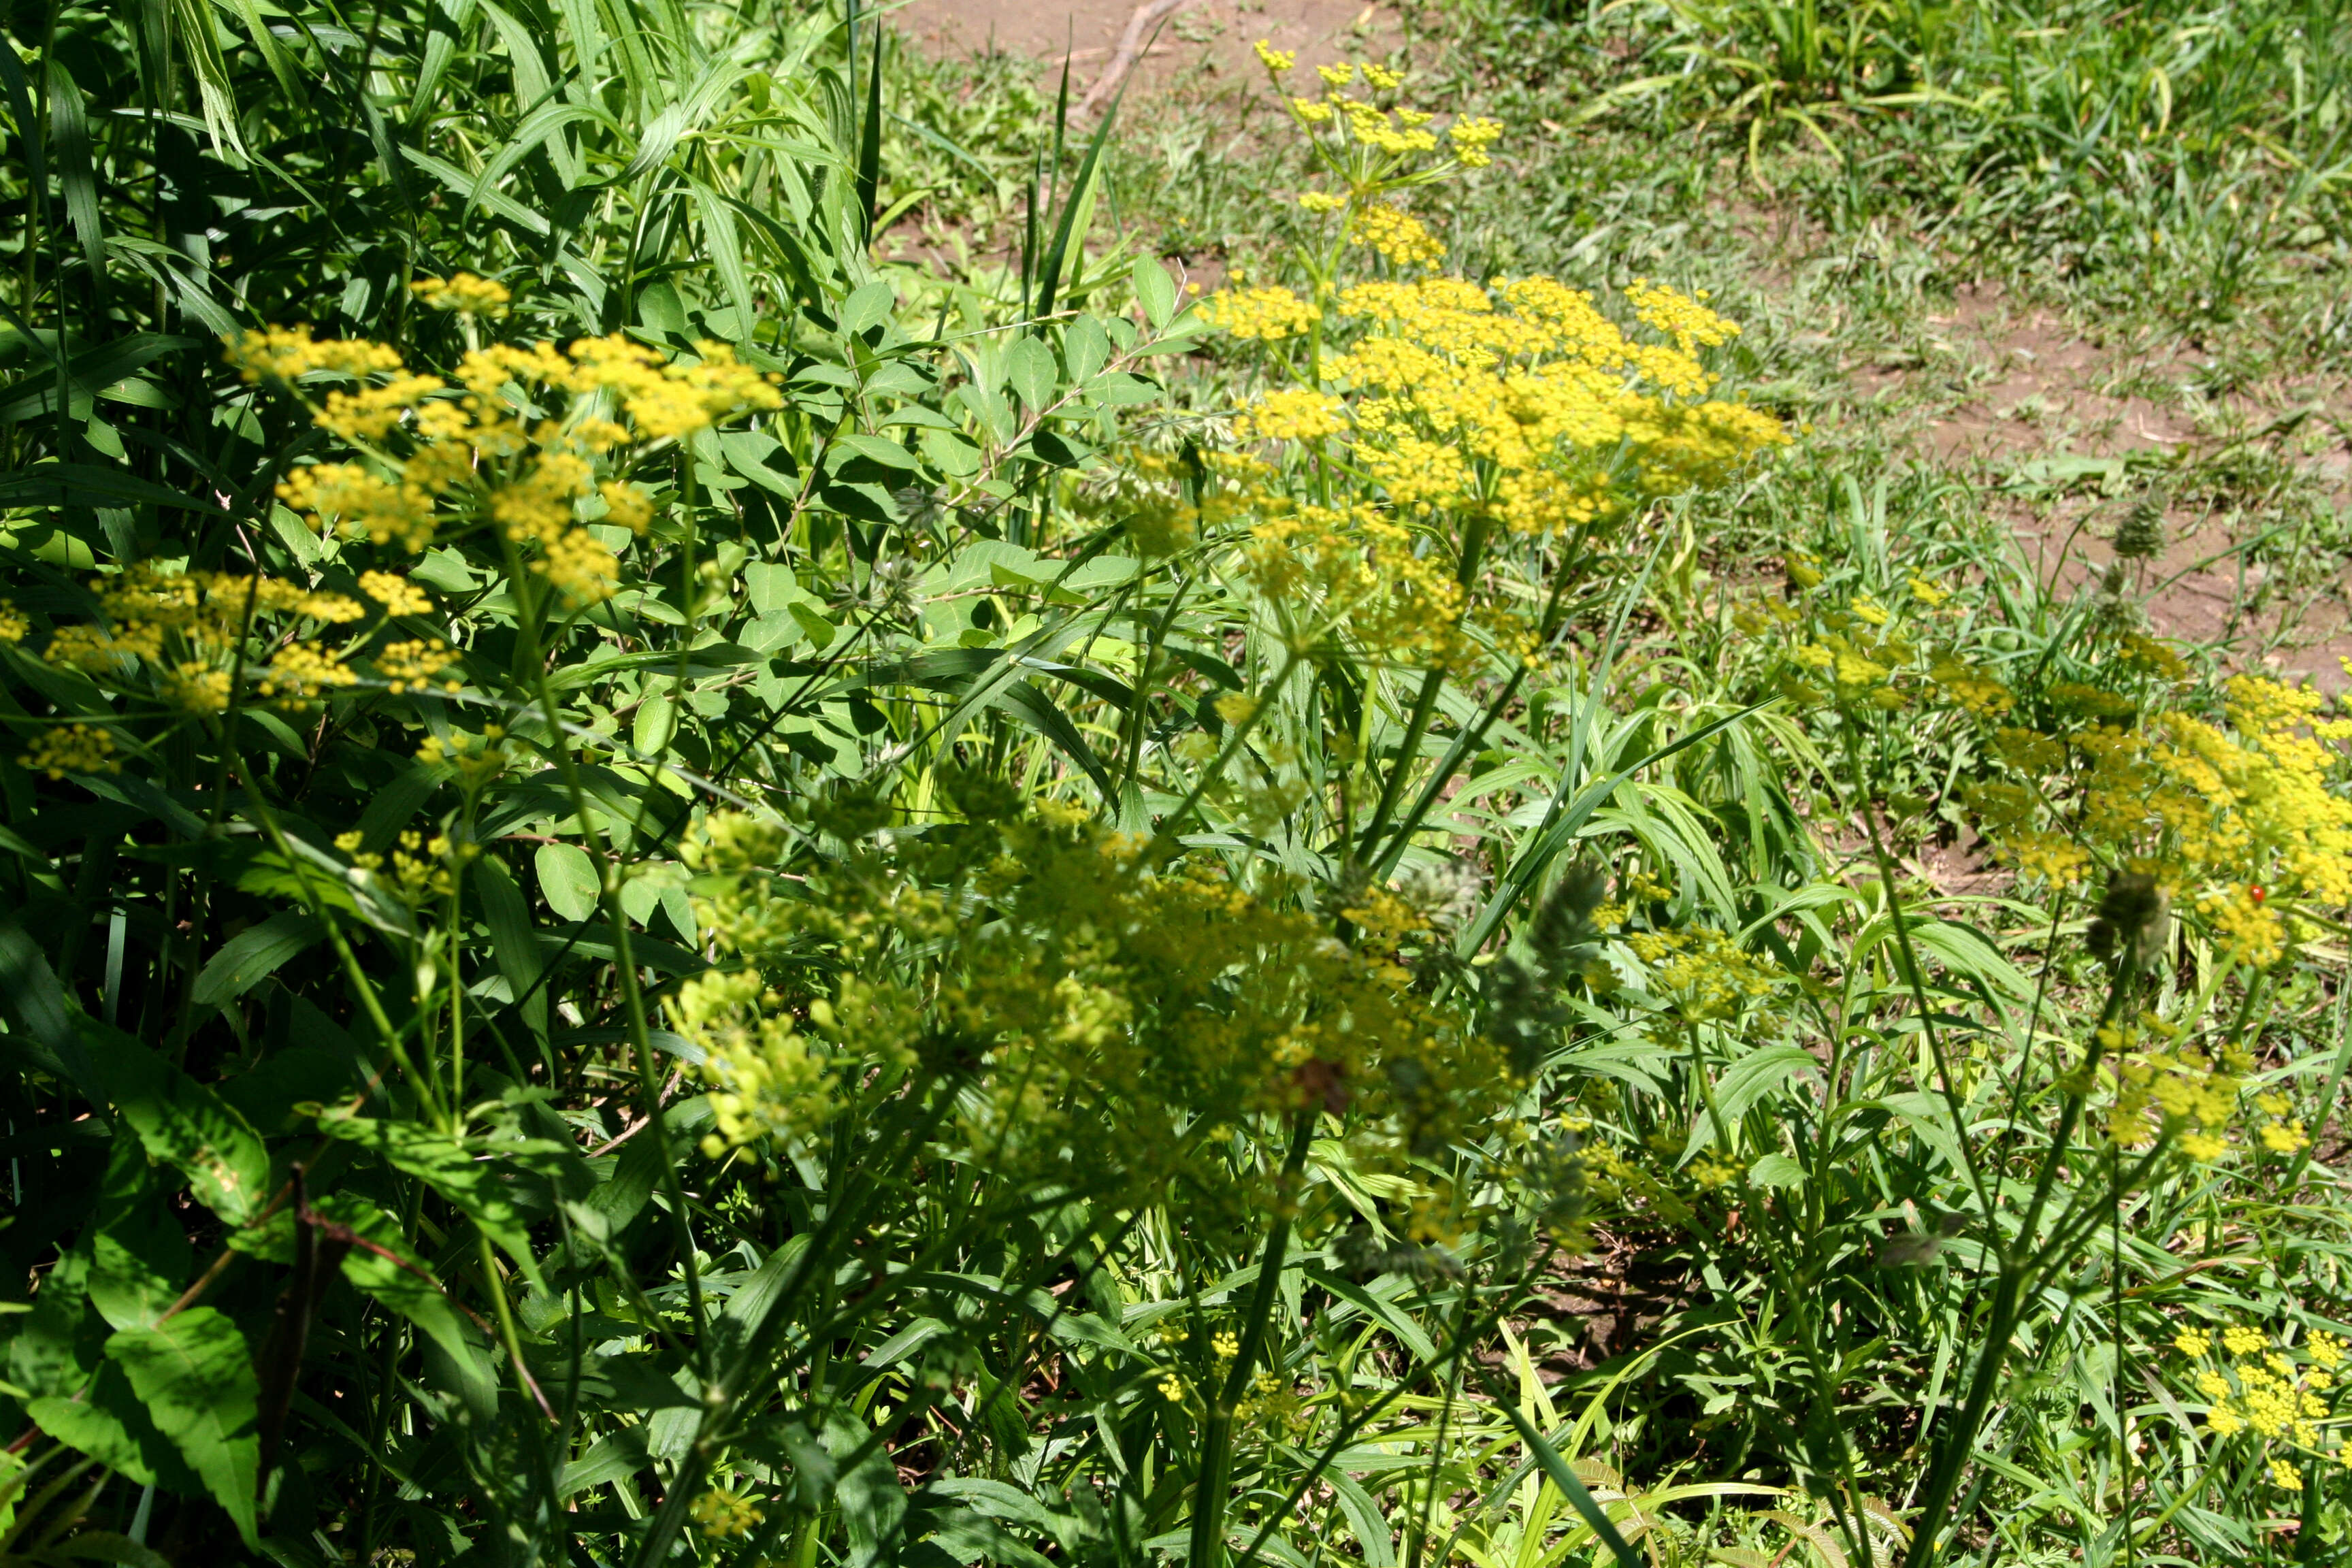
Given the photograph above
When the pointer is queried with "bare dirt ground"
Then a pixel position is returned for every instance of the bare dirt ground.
(1202, 43)
(2069, 429)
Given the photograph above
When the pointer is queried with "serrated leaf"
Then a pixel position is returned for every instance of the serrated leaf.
(188, 1126)
(194, 1376)
(138, 1255)
(397, 1281)
(567, 879)
(468, 1181)
(110, 1425)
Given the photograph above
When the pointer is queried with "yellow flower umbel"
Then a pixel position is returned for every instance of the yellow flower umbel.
(1524, 406)
(2244, 822)
(188, 637)
(1103, 1022)
(2277, 1397)
(441, 455)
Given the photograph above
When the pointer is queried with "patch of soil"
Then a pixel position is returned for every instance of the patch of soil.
(2068, 427)
(1205, 45)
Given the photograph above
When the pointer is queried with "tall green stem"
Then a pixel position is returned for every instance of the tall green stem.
(1216, 1475)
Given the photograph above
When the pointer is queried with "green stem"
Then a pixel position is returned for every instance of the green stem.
(1216, 1475)
(1425, 706)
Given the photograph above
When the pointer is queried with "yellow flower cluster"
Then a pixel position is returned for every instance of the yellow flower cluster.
(1293, 414)
(1105, 1022)
(2165, 1088)
(1702, 972)
(465, 294)
(2254, 1384)
(723, 1514)
(187, 629)
(1396, 233)
(1527, 405)
(1265, 314)
(1473, 139)
(472, 454)
(72, 749)
(2242, 820)
(1354, 573)
(421, 867)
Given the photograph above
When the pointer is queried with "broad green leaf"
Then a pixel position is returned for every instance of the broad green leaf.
(188, 1125)
(1030, 367)
(251, 954)
(58, 1346)
(657, 721)
(511, 940)
(1085, 348)
(1777, 1171)
(140, 1258)
(567, 879)
(194, 1376)
(473, 1181)
(45, 1036)
(106, 1421)
(1154, 290)
(398, 1281)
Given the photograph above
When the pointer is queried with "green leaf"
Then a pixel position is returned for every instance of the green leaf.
(516, 948)
(397, 1281)
(43, 1036)
(951, 453)
(250, 955)
(186, 1124)
(1085, 348)
(657, 721)
(107, 1423)
(1030, 367)
(58, 1348)
(1155, 291)
(1556, 1469)
(467, 1179)
(1776, 1171)
(194, 1376)
(567, 879)
(139, 1254)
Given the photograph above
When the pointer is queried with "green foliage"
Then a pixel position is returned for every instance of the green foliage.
(678, 895)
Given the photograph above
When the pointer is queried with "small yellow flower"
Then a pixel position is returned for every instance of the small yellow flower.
(1275, 60)
(2240, 1340)
(2203, 1147)
(722, 1514)
(72, 749)
(1337, 75)
(465, 294)
(396, 594)
(2192, 1342)
(2284, 1137)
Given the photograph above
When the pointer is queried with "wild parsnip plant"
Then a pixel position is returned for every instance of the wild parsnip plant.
(674, 895)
